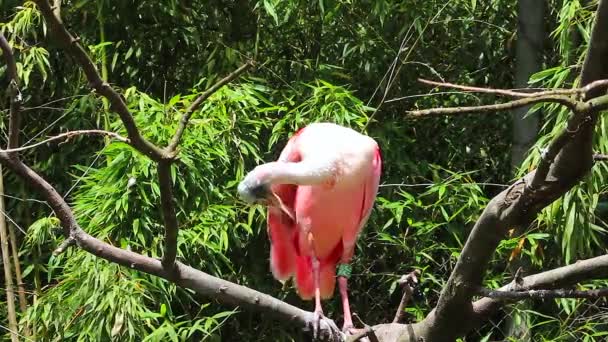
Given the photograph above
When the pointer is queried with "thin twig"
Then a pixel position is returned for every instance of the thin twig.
(69, 135)
(600, 157)
(205, 95)
(68, 242)
(544, 294)
(518, 94)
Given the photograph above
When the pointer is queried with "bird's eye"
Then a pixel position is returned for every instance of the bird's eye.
(260, 192)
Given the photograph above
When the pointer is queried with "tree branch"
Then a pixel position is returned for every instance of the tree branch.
(168, 210)
(67, 136)
(600, 157)
(544, 294)
(205, 95)
(14, 93)
(188, 277)
(164, 168)
(408, 282)
(560, 99)
(519, 94)
(117, 104)
(594, 268)
(519, 204)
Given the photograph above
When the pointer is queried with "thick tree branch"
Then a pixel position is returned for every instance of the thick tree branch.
(188, 277)
(520, 203)
(117, 104)
(14, 93)
(67, 136)
(199, 100)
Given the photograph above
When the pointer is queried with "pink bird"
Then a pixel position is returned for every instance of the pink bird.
(319, 194)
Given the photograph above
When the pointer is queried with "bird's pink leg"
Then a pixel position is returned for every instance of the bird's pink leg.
(344, 271)
(317, 280)
(316, 275)
(348, 320)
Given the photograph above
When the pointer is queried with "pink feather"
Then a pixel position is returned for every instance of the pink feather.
(335, 210)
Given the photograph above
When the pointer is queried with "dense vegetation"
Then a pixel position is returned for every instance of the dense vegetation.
(350, 62)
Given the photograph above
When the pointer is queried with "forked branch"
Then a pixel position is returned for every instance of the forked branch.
(199, 100)
(72, 46)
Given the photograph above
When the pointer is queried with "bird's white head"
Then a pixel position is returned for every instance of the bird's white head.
(252, 190)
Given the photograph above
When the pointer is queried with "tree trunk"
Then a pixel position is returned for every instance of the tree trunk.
(530, 36)
(6, 263)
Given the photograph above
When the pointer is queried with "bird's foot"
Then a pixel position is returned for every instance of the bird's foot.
(348, 328)
(324, 329)
(316, 322)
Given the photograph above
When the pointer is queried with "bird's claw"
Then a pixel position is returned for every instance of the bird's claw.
(316, 323)
(348, 328)
(324, 329)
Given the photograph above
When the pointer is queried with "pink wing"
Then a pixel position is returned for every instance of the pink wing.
(281, 228)
(343, 251)
(369, 196)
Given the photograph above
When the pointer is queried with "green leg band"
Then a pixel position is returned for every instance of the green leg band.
(344, 270)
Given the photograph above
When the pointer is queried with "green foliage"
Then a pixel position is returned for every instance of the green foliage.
(317, 61)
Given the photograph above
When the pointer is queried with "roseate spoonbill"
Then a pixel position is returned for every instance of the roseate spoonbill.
(319, 195)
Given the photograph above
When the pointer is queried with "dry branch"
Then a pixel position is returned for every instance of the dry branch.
(560, 99)
(72, 45)
(164, 168)
(67, 136)
(518, 94)
(408, 282)
(600, 157)
(594, 268)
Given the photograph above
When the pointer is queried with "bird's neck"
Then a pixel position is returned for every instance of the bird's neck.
(301, 173)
